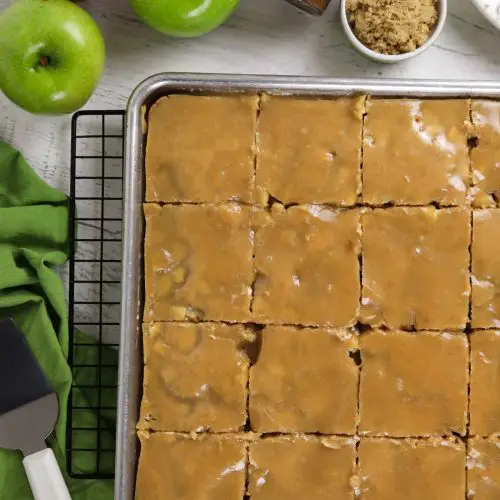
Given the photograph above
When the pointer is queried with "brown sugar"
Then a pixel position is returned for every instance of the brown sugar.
(392, 26)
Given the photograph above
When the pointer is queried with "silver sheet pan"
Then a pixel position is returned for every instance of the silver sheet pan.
(130, 371)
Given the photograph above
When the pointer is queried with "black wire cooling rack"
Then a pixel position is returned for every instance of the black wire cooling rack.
(97, 149)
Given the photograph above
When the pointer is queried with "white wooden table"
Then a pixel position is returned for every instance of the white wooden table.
(263, 36)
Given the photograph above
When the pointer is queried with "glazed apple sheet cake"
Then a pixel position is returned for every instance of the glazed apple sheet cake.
(322, 299)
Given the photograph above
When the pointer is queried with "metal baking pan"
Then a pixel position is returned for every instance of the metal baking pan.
(130, 371)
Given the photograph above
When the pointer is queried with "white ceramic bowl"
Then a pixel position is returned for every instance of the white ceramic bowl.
(384, 58)
(490, 10)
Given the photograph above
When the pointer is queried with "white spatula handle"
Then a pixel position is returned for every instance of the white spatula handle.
(45, 477)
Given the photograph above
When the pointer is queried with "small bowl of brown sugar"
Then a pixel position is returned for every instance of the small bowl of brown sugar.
(390, 31)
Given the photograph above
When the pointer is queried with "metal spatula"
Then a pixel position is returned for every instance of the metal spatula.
(28, 413)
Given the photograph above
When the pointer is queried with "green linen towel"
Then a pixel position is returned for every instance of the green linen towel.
(33, 241)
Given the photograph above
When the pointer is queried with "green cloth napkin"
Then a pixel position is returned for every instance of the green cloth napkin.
(33, 241)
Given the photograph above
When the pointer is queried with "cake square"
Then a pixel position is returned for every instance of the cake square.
(485, 278)
(309, 150)
(307, 268)
(485, 382)
(485, 156)
(314, 384)
(195, 377)
(412, 469)
(416, 267)
(483, 469)
(201, 148)
(181, 468)
(415, 152)
(296, 468)
(198, 262)
(413, 384)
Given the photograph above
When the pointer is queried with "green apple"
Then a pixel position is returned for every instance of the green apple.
(184, 18)
(51, 55)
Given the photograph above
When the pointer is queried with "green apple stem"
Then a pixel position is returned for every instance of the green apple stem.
(44, 61)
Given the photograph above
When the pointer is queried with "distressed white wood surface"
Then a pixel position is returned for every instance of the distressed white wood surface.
(263, 36)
